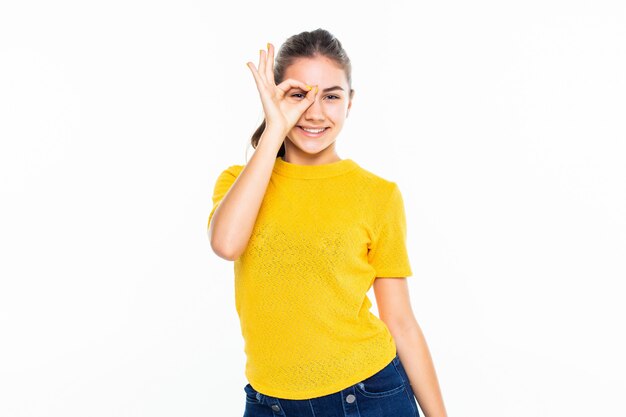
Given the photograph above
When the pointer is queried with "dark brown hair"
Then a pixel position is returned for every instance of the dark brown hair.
(319, 42)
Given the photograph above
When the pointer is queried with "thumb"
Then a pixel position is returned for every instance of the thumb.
(309, 98)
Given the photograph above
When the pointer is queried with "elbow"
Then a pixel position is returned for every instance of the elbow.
(221, 249)
(224, 252)
(403, 327)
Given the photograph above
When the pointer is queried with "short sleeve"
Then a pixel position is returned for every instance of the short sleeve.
(223, 183)
(388, 253)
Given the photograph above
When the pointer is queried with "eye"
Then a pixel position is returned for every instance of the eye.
(330, 95)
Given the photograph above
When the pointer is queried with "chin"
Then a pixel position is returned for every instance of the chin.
(314, 149)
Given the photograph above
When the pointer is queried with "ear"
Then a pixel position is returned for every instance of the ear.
(350, 102)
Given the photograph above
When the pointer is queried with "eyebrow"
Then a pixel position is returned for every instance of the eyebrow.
(336, 87)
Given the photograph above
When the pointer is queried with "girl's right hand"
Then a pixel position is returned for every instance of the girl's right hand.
(280, 113)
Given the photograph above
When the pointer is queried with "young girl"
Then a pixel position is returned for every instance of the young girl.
(309, 234)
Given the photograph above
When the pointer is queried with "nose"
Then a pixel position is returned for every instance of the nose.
(314, 111)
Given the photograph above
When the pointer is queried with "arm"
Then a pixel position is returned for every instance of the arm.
(394, 307)
(234, 218)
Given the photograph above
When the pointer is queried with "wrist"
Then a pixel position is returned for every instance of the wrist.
(271, 140)
(274, 134)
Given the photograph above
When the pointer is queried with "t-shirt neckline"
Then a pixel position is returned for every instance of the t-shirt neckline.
(330, 169)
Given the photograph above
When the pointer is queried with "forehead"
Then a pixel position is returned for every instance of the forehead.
(319, 70)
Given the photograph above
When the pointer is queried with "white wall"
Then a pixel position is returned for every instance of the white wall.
(502, 122)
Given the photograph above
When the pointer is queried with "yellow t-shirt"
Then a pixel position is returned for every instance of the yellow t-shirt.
(323, 234)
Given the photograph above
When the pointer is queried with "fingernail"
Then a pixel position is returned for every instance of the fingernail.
(308, 87)
(315, 89)
(268, 45)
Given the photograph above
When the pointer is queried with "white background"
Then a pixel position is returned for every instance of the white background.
(502, 122)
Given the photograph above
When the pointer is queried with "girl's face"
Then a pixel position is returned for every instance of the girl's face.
(329, 110)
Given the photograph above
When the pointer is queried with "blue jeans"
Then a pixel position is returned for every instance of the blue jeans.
(387, 393)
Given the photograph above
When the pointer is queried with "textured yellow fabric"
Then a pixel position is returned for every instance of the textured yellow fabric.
(323, 234)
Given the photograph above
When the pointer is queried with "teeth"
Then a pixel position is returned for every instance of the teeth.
(313, 130)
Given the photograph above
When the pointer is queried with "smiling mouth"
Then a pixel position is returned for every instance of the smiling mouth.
(313, 132)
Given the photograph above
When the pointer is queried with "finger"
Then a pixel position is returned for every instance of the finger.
(309, 98)
(257, 78)
(290, 83)
(262, 63)
(270, 64)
